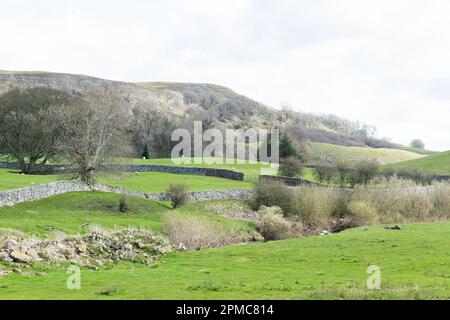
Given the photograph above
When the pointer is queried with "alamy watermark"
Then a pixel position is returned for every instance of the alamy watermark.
(214, 146)
(374, 279)
(73, 281)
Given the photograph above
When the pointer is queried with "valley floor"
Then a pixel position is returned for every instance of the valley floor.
(414, 264)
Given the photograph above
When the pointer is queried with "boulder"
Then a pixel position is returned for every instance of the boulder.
(19, 256)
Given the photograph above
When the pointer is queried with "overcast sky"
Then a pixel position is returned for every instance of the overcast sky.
(386, 63)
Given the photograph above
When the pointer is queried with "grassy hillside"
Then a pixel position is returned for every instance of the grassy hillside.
(338, 153)
(437, 163)
(414, 265)
(73, 213)
(159, 182)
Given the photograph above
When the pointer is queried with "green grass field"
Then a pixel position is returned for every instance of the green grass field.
(414, 265)
(154, 182)
(10, 179)
(251, 170)
(159, 182)
(352, 154)
(438, 163)
(73, 213)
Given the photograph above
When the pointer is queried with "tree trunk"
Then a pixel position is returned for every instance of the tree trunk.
(24, 167)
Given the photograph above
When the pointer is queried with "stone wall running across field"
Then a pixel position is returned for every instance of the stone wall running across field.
(210, 172)
(291, 182)
(38, 192)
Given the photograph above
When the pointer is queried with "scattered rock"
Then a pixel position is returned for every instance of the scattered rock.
(94, 250)
(340, 225)
(4, 273)
(19, 256)
(11, 244)
(17, 270)
(396, 227)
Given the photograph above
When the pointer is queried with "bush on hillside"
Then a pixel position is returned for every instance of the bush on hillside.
(123, 203)
(178, 194)
(417, 175)
(324, 174)
(362, 213)
(271, 224)
(291, 167)
(364, 172)
(273, 193)
(313, 206)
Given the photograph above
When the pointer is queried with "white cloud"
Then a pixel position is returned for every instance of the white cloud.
(382, 62)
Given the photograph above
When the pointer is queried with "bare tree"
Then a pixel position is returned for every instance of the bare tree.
(28, 130)
(95, 132)
(152, 131)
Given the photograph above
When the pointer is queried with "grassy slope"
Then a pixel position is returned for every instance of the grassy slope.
(72, 213)
(10, 179)
(414, 264)
(437, 163)
(159, 182)
(350, 154)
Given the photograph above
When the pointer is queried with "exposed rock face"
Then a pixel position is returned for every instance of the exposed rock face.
(171, 98)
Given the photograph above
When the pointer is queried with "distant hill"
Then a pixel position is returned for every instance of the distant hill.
(325, 153)
(438, 163)
(221, 106)
(177, 99)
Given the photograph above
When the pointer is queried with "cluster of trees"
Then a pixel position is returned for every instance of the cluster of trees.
(362, 173)
(152, 132)
(330, 122)
(41, 124)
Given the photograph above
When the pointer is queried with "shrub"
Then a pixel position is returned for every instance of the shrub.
(341, 202)
(324, 174)
(366, 170)
(271, 224)
(363, 213)
(441, 201)
(273, 193)
(197, 232)
(178, 194)
(123, 203)
(313, 206)
(291, 167)
(388, 173)
(417, 175)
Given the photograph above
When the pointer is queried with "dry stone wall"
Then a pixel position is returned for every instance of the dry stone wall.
(38, 192)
